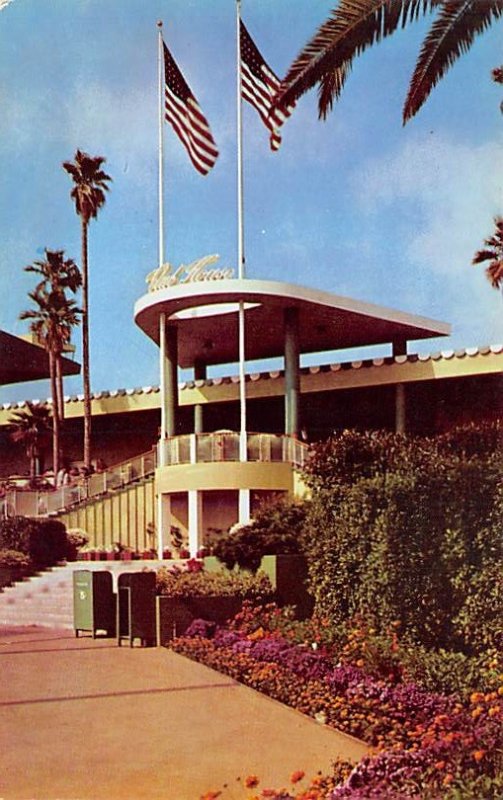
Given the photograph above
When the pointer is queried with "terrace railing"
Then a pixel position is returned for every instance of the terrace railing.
(224, 446)
(42, 503)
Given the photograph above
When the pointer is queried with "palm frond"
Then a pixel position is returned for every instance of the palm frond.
(352, 27)
(483, 255)
(330, 88)
(494, 274)
(451, 35)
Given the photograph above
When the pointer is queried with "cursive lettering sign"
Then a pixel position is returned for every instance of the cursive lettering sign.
(166, 276)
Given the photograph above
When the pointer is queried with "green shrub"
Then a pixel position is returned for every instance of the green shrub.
(410, 530)
(76, 541)
(447, 672)
(43, 540)
(276, 529)
(175, 583)
(15, 533)
(13, 558)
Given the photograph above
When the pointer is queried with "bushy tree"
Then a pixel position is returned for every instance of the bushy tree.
(404, 529)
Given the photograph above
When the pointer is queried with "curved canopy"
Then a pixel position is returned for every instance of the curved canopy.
(205, 314)
(22, 361)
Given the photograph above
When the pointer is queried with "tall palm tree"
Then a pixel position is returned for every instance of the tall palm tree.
(31, 427)
(52, 321)
(57, 274)
(355, 25)
(88, 193)
(493, 252)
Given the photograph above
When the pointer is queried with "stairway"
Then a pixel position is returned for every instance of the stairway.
(46, 599)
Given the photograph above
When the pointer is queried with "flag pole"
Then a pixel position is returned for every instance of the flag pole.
(162, 318)
(161, 154)
(241, 256)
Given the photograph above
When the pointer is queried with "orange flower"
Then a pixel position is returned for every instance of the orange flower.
(478, 755)
(251, 781)
(477, 712)
(440, 765)
(210, 795)
(448, 779)
(297, 776)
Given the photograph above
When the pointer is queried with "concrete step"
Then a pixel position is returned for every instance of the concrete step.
(46, 599)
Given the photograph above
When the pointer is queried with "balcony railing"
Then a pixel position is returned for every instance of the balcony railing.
(42, 503)
(224, 446)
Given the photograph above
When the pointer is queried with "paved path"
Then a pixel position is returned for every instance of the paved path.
(86, 720)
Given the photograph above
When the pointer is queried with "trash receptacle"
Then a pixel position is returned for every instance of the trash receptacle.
(136, 607)
(93, 602)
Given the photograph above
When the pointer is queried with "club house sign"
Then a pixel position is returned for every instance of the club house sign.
(166, 276)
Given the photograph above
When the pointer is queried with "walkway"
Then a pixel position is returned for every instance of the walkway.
(86, 720)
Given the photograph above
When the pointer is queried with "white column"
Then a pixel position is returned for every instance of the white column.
(244, 506)
(195, 521)
(163, 522)
(162, 384)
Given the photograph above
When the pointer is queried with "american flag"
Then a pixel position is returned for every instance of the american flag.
(186, 117)
(259, 85)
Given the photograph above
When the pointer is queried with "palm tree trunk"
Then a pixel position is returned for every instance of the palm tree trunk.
(59, 380)
(85, 349)
(55, 415)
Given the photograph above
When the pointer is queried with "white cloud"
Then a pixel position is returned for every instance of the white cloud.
(442, 196)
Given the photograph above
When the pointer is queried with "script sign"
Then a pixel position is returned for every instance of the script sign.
(167, 276)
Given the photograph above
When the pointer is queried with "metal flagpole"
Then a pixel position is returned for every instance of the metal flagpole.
(162, 320)
(241, 256)
(161, 129)
(163, 518)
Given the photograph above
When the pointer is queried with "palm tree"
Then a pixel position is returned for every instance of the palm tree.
(52, 323)
(356, 25)
(493, 253)
(88, 193)
(58, 273)
(31, 428)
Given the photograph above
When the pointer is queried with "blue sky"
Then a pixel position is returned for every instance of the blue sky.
(357, 205)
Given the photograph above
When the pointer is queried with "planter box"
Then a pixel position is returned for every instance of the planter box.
(288, 575)
(175, 614)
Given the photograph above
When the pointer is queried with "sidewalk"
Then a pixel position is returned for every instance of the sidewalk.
(87, 720)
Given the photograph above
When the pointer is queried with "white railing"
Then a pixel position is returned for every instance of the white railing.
(41, 503)
(197, 448)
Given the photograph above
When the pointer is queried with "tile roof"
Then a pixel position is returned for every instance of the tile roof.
(468, 352)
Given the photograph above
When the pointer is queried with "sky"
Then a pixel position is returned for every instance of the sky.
(357, 205)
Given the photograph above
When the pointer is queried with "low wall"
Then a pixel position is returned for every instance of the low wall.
(288, 576)
(175, 614)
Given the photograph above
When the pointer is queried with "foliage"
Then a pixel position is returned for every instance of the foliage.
(428, 745)
(76, 540)
(355, 25)
(493, 253)
(408, 530)
(176, 582)
(90, 182)
(14, 558)
(276, 529)
(31, 427)
(44, 541)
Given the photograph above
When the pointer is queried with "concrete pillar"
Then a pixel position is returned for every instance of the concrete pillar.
(400, 408)
(292, 372)
(400, 347)
(244, 506)
(195, 521)
(199, 375)
(163, 522)
(171, 369)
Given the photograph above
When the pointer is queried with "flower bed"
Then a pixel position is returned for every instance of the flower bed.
(425, 742)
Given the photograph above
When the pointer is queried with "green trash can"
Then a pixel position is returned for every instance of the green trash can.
(136, 608)
(93, 602)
